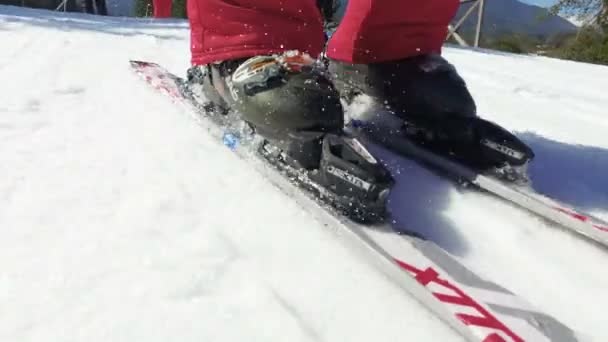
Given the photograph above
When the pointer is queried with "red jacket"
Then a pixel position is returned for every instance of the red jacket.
(371, 30)
(228, 29)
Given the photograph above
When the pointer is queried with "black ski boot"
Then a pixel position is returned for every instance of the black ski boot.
(438, 111)
(296, 109)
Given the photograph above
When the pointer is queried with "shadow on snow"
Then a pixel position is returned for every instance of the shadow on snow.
(574, 174)
(417, 201)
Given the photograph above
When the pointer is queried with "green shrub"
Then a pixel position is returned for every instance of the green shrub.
(512, 42)
(508, 44)
(143, 8)
(590, 45)
(179, 9)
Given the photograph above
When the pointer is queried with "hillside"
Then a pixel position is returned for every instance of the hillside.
(512, 16)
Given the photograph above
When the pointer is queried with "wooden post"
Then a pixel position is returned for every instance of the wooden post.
(479, 22)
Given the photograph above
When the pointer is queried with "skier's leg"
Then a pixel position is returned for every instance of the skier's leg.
(245, 62)
(374, 31)
(258, 60)
(230, 29)
(391, 51)
(243, 54)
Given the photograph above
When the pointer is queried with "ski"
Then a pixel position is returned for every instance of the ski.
(386, 134)
(476, 308)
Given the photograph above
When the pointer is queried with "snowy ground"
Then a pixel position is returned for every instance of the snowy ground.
(121, 221)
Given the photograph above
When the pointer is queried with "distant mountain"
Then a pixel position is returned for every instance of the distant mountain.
(512, 16)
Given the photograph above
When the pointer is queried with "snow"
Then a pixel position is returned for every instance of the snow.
(122, 221)
(559, 108)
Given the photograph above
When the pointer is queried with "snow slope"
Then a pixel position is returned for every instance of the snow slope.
(121, 221)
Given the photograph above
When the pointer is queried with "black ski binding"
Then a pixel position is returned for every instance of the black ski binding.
(338, 170)
(477, 143)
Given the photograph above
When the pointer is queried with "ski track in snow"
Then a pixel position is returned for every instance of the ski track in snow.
(121, 220)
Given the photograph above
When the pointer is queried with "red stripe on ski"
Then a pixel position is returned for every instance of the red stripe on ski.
(582, 218)
(426, 276)
(494, 338)
(485, 319)
(452, 299)
(602, 228)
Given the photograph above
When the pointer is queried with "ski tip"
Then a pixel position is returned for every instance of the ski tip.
(138, 63)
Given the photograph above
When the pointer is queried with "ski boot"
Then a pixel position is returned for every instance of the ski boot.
(297, 112)
(437, 110)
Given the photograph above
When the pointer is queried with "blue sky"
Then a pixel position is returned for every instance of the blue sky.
(544, 3)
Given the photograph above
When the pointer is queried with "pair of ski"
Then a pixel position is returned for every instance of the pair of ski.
(478, 309)
(562, 216)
